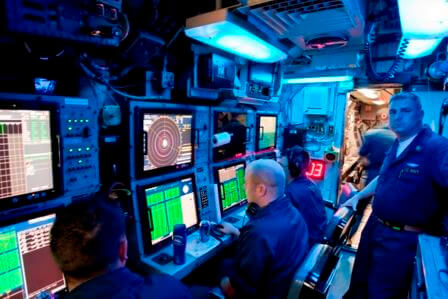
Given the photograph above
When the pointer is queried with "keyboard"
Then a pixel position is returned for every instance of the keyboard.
(231, 219)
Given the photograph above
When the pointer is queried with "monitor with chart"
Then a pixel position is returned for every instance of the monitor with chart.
(231, 186)
(27, 268)
(27, 156)
(162, 206)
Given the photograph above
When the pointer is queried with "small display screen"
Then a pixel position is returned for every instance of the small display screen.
(316, 170)
(27, 268)
(168, 204)
(231, 186)
(167, 141)
(267, 131)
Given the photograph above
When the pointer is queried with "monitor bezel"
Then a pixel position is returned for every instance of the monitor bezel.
(138, 142)
(257, 129)
(216, 171)
(215, 131)
(22, 200)
(148, 247)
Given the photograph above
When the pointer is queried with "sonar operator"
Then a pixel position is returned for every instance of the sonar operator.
(271, 246)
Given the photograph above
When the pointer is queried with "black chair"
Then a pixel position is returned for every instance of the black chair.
(308, 277)
(339, 227)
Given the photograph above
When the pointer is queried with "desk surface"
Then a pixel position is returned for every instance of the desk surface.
(197, 252)
(433, 263)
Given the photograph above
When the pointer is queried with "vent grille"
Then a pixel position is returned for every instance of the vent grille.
(301, 20)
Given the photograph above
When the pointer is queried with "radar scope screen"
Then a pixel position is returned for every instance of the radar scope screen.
(167, 140)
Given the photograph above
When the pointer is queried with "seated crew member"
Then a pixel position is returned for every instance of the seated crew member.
(410, 198)
(376, 143)
(89, 244)
(304, 194)
(271, 246)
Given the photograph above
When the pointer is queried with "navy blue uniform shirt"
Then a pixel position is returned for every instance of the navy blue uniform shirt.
(122, 283)
(306, 197)
(411, 190)
(412, 187)
(269, 250)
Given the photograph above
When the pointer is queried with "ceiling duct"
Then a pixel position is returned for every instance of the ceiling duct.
(311, 25)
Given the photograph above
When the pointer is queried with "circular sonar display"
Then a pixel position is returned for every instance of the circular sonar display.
(168, 140)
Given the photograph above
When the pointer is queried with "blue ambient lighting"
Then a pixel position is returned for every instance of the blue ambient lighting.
(234, 39)
(317, 79)
(416, 48)
(423, 19)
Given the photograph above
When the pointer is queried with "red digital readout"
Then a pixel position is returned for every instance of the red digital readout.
(316, 170)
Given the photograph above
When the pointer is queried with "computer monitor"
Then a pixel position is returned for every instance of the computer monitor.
(165, 141)
(236, 125)
(28, 155)
(266, 132)
(262, 73)
(231, 186)
(27, 267)
(163, 205)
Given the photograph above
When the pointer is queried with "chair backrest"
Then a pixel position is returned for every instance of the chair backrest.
(339, 226)
(308, 270)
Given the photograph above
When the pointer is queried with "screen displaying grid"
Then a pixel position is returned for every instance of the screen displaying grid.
(231, 186)
(27, 267)
(26, 164)
(170, 204)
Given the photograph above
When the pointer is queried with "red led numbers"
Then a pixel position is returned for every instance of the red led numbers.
(316, 171)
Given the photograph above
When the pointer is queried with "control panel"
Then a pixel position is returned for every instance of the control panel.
(79, 146)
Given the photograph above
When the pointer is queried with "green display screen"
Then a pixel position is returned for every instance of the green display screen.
(170, 204)
(267, 132)
(231, 184)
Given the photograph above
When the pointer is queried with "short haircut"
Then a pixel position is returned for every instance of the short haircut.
(86, 236)
(298, 160)
(408, 96)
(269, 172)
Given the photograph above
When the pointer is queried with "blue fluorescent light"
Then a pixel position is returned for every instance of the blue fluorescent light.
(416, 48)
(423, 19)
(317, 79)
(231, 37)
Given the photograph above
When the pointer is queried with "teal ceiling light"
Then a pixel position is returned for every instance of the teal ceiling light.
(423, 24)
(415, 48)
(221, 29)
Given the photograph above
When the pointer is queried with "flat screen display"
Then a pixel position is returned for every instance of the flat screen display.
(231, 186)
(27, 268)
(236, 125)
(165, 205)
(167, 141)
(267, 131)
(262, 73)
(26, 155)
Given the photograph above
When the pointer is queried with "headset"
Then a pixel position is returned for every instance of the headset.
(298, 160)
(252, 209)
